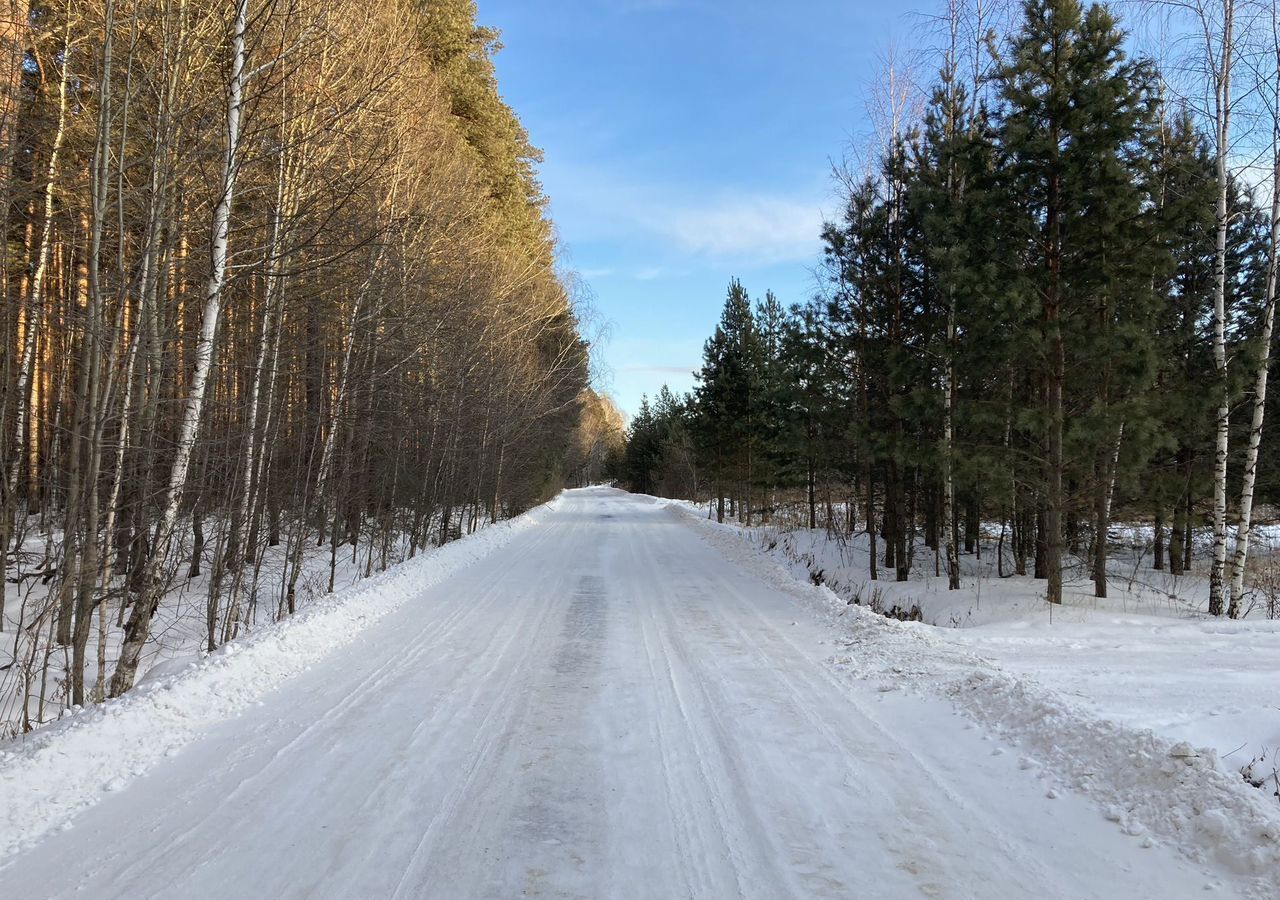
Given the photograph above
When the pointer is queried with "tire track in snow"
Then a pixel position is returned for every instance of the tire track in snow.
(488, 741)
(717, 766)
(1025, 861)
(521, 799)
(391, 666)
(861, 760)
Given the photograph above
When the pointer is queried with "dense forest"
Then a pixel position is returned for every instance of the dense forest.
(1048, 300)
(278, 276)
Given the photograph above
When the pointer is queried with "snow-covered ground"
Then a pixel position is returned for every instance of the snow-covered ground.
(178, 633)
(611, 698)
(49, 775)
(1147, 656)
(1098, 690)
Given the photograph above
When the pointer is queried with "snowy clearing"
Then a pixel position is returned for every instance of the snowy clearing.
(610, 706)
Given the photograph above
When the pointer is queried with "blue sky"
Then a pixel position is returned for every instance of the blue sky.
(688, 142)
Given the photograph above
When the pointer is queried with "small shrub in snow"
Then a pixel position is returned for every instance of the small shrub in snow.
(1263, 772)
(876, 603)
(1264, 586)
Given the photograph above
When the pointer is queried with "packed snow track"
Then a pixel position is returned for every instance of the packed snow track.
(606, 707)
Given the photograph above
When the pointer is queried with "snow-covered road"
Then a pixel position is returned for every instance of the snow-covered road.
(607, 707)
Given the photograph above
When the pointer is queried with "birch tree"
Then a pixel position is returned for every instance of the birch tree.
(33, 308)
(376, 349)
(138, 627)
(1270, 81)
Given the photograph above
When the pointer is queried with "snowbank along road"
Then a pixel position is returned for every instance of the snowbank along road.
(606, 707)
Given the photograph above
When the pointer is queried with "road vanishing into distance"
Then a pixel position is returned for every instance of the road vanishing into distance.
(606, 707)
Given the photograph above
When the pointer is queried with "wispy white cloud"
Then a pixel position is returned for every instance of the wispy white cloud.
(641, 273)
(760, 228)
(640, 365)
(649, 273)
(662, 370)
(672, 226)
(737, 225)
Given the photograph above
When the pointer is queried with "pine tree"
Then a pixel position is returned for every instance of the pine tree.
(1183, 411)
(1075, 122)
(728, 397)
(770, 397)
(812, 416)
(461, 52)
(948, 197)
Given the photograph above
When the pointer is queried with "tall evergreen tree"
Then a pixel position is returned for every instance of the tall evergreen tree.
(1076, 119)
(728, 397)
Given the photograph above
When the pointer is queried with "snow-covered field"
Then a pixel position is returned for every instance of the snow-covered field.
(615, 698)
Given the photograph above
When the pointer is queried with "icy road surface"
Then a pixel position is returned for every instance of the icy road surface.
(605, 708)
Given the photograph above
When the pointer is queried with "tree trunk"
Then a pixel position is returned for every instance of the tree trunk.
(34, 313)
(1243, 528)
(904, 533)
(889, 522)
(197, 544)
(1176, 536)
(1158, 539)
(138, 628)
(1222, 120)
(948, 440)
(1054, 460)
(1102, 514)
(86, 598)
(813, 494)
(1038, 530)
(872, 544)
(1100, 527)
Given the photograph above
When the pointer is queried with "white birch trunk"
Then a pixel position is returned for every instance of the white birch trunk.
(35, 307)
(948, 362)
(1243, 528)
(1222, 111)
(35, 301)
(235, 552)
(91, 396)
(326, 454)
(139, 626)
(149, 284)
